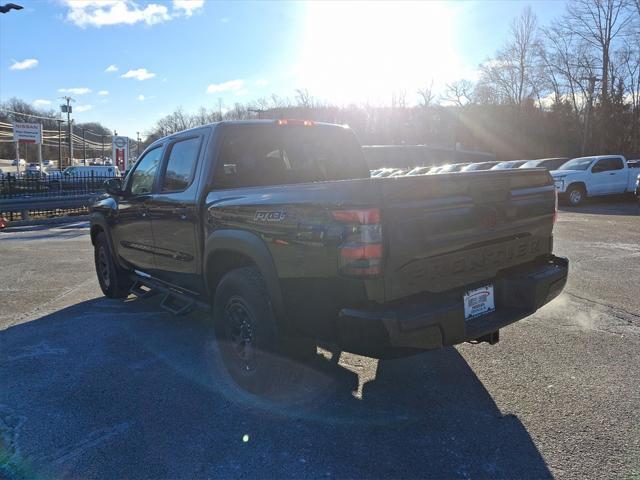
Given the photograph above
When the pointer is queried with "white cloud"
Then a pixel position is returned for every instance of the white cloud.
(75, 91)
(261, 82)
(230, 86)
(187, 7)
(98, 13)
(24, 64)
(141, 97)
(103, 93)
(111, 68)
(41, 102)
(82, 108)
(139, 74)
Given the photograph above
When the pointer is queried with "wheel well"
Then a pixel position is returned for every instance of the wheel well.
(95, 230)
(221, 262)
(578, 184)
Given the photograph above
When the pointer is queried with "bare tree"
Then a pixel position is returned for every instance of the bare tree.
(303, 98)
(426, 95)
(510, 74)
(599, 23)
(459, 92)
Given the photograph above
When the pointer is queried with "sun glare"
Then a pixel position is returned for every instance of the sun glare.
(358, 52)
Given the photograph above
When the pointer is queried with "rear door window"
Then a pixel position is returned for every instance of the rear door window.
(183, 156)
(608, 164)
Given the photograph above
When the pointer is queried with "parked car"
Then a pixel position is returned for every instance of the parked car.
(436, 169)
(53, 174)
(389, 172)
(633, 163)
(454, 167)
(419, 171)
(277, 230)
(92, 170)
(593, 176)
(15, 162)
(548, 163)
(383, 172)
(479, 166)
(508, 165)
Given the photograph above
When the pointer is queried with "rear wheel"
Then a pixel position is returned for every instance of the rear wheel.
(114, 281)
(249, 342)
(575, 195)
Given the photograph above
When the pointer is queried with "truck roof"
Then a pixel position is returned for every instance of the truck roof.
(269, 121)
(598, 157)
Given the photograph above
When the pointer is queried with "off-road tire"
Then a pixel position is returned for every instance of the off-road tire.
(114, 281)
(247, 334)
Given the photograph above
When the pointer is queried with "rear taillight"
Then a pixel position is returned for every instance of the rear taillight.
(360, 254)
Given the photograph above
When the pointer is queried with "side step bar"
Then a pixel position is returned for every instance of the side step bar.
(173, 301)
(141, 290)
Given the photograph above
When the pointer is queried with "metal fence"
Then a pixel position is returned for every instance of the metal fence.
(50, 185)
(36, 195)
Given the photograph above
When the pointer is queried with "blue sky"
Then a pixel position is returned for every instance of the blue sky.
(193, 53)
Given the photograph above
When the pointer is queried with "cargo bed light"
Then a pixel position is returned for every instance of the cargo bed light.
(292, 121)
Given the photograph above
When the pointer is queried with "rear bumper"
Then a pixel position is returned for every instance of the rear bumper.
(437, 320)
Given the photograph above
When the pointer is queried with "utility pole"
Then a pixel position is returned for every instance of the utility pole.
(67, 108)
(84, 149)
(103, 148)
(138, 145)
(60, 144)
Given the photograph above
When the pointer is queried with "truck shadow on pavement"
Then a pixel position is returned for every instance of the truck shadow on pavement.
(107, 390)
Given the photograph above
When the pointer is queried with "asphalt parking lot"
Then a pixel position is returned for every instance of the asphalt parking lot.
(97, 388)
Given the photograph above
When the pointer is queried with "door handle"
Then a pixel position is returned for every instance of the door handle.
(181, 212)
(612, 173)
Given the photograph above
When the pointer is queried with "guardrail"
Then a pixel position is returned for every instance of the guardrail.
(25, 208)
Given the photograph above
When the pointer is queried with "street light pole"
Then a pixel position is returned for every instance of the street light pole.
(138, 145)
(67, 108)
(60, 144)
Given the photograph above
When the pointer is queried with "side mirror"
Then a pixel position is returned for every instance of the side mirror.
(113, 186)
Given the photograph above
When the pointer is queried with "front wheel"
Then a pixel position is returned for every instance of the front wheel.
(575, 195)
(114, 281)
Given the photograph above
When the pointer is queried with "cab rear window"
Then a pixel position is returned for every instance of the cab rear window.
(275, 155)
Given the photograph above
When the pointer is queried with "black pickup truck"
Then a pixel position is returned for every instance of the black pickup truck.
(276, 229)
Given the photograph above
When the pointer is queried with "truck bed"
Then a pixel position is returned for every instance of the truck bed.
(439, 231)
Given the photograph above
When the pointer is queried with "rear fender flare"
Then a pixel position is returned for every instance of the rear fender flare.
(252, 246)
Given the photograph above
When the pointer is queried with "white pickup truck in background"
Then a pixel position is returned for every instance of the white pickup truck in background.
(594, 176)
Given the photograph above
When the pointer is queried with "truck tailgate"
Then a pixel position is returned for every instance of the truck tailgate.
(447, 231)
